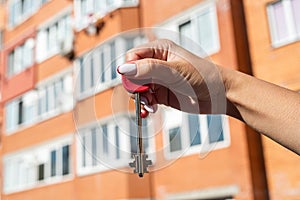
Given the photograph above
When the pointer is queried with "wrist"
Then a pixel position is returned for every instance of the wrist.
(230, 80)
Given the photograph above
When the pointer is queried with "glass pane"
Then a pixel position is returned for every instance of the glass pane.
(10, 69)
(175, 139)
(206, 34)
(41, 172)
(117, 142)
(194, 128)
(102, 65)
(215, 128)
(185, 31)
(53, 163)
(280, 22)
(296, 12)
(66, 160)
(81, 72)
(92, 81)
(113, 60)
(83, 152)
(104, 139)
(20, 112)
(94, 146)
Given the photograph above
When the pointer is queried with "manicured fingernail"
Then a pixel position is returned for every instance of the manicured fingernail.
(151, 109)
(127, 69)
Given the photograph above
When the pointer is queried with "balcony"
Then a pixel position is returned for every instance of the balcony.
(87, 11)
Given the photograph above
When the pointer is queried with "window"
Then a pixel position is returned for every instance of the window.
(50, 39)
(21, 57)
(49, 99)
(19, 10)
(97, 68)
(191, 133)
(43, 164)
(284, 21)
(84, 9)
(55, 96)
(198, 25)
(19, 112)
(109, 145)
(65, 160)
(1, 39)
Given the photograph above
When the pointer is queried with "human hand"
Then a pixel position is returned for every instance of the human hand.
(176, 78)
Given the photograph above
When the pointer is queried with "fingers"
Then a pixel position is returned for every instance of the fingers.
(158, 49)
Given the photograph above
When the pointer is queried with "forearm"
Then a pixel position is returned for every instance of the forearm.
(270, 109)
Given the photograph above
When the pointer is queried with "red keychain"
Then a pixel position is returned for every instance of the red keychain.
(135, 89)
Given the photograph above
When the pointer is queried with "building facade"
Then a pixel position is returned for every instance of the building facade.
(67, 124)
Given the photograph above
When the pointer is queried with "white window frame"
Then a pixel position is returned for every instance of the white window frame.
(122, 122)
(186, 147)
(293, 35)
(31, 158)
(172, 25)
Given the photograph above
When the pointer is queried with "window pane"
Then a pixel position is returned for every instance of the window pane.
(11, 115)
(53, 163)
(206, 32)
(194, 129)
(81, 63)
(20, 112)
(41, 172)
(83, 151)
(28, 53)
(175, 139)
(92, 81)
(52, 39)
(215, 128)
(185, 31)
(94, 146)
(102, 65)
(280, 22)
(10, 69)
(296, 9)
(117, 142)
(66, 161)
(104, 139)
(113, 60)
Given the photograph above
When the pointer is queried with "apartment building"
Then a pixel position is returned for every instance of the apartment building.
(68, 129)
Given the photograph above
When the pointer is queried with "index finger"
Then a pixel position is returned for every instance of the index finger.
(158, 49)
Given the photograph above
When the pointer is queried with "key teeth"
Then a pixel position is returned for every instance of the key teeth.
(134, 164)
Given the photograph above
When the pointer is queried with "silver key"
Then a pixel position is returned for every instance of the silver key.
(140, 163)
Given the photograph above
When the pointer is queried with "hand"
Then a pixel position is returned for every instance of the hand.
(176, 77)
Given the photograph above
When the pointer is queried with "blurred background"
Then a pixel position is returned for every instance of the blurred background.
(67, 125)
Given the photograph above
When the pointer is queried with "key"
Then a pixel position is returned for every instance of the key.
(140, 163)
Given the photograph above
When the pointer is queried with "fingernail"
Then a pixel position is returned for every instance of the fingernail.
(127, 69)
(151, 109)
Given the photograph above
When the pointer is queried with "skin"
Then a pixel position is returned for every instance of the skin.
(184, 81)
